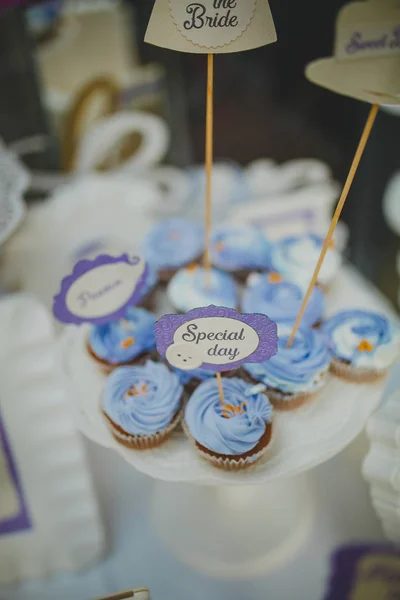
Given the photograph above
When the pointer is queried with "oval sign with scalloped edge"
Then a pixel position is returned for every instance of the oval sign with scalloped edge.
(212, 23)
(215, 338)
(100, 290)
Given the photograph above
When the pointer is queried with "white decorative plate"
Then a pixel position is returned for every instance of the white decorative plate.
(303, 439)
(46, 482)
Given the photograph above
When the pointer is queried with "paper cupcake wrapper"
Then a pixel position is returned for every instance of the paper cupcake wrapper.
(355, 374)
(229, 464)
(282, 402)
(145, 442)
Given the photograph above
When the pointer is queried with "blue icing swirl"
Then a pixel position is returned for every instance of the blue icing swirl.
(363, 339)
(297, 369)
(235, 248)
(122, 341)
(142, 400)
(173, 243)
(198, 374)
(232, 429)
(280, 299)
(188, 289)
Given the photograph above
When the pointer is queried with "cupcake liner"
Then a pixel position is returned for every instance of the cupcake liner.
(144, 442)
(351, 373)
(287, 402)
(227, 463)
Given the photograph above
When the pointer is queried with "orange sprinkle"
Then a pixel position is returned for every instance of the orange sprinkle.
(219, 246)
(365, 346)
(332, 244)
(127, 342)
(192, 268)
(274, 277)
(174, 235)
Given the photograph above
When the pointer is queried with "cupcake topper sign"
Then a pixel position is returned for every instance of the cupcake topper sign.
(211, 26)
(100, 290)
(366, 60)
(215, 338)
(365, 67)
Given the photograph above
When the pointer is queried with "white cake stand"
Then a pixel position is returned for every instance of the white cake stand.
(228, 525)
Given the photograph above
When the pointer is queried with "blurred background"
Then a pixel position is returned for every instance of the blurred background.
(264, 106)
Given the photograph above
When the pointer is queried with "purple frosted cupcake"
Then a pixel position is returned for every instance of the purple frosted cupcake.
(271, 295)
(127, 341)
(232, 436)
(173, 244)
(240, 250)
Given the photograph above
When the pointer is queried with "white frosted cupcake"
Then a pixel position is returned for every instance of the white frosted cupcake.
(190, 288)
(364, 344)
(296, 257)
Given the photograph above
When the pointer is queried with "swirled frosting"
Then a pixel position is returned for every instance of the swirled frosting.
(234, 428)
(363, 339)
(297, 369)
(296, 258)
(188, 289)
(142, 400)
(173, 243)
(122, 341)
(269, 294)
(196, 374)
(235, 248)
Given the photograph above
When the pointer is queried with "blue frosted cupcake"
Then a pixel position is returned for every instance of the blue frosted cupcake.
(294, 374)
(296, 257)
(173, 244)
(232, 436)
(271, 295)
(188, 289)
(130, 340)
(364, 344)
(240, 250)
(143, 404)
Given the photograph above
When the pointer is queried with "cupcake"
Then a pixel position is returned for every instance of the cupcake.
(193, 287)
(232, 436)
(296, 257)
(130, 340)
(173, 244)
(142, 405)
(192, 379)
(364, 344)
(240, 250)
(295, 373)
(271, 295)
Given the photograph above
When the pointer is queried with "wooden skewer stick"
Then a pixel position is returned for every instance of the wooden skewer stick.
(220, 389)
(209, 162)
(353, 170)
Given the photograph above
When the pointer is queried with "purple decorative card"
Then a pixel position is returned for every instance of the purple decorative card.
(365, 572)
(100, 290)
(215, 338)
(14, 516)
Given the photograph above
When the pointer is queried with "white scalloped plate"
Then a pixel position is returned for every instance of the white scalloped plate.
(303, 438)
(66, 532)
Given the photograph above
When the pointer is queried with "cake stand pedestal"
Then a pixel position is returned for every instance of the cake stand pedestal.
(234, 532)
(237, 524)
